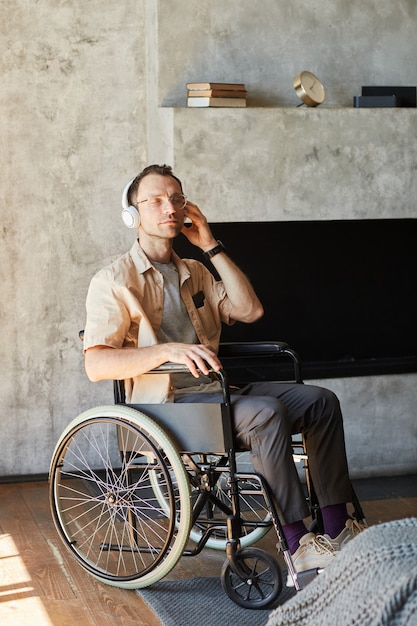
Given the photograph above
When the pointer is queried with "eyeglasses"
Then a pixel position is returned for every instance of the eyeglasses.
(178, 201)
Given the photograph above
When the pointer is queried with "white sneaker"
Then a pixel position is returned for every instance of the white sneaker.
(315, 551)
(352, 529)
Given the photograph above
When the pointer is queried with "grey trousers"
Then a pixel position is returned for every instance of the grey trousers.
(266, 415)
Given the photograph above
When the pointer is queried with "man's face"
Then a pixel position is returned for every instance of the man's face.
(158, 200)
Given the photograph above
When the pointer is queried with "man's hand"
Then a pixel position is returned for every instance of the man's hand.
(199, 233)
(246, 306)
(196, 357)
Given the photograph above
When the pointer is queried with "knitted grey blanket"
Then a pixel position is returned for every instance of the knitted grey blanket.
(372, 582)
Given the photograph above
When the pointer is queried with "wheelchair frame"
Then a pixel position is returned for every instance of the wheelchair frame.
(130, 485)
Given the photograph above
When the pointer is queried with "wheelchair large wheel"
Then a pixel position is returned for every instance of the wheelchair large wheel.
(257, 582)
(103, 502)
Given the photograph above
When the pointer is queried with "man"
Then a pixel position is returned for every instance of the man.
(151, 307)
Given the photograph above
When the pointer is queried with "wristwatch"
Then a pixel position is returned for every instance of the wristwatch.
(209, 254)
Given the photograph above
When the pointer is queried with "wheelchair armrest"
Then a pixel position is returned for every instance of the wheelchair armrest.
(252, 348)
(169, 368)
(253, 355)
(174, 368)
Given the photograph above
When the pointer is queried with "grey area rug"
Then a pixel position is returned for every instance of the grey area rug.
(202, 601)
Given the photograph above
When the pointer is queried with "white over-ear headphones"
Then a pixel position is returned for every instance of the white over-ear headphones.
(130, 214)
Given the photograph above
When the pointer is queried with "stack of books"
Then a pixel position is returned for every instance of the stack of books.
(216, 95)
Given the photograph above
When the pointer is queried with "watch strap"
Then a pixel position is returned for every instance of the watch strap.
(209, 254)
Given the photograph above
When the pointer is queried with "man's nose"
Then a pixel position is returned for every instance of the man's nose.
(168, 206)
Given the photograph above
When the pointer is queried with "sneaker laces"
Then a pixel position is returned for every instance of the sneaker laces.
(321, 545)
(355, 527)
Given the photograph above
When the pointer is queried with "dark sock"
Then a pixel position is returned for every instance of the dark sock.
(293, 533)
(334, 519)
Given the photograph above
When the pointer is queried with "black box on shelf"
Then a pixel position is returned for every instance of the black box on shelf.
(405, 95)
(375, 101)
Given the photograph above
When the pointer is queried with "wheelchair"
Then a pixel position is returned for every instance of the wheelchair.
(132, 486)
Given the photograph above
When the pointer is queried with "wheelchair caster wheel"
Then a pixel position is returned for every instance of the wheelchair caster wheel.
(261, 584)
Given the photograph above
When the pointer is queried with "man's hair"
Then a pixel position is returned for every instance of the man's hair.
(163, 170)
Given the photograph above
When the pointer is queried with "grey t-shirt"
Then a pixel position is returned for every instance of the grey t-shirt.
(177, 327)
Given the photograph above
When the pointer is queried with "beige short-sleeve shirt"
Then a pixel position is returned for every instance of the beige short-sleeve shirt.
(124, 308)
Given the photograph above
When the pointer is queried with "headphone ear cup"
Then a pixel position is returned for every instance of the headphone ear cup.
(130, 216)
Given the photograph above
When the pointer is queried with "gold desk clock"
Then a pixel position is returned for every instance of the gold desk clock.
(309, 89)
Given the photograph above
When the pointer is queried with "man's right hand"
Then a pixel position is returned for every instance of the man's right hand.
(196, 357)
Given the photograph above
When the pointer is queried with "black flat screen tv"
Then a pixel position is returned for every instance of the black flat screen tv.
(340, 292)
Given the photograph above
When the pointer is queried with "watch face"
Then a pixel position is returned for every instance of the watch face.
(309, 88)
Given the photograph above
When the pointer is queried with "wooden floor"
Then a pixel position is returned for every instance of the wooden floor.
(42, 585)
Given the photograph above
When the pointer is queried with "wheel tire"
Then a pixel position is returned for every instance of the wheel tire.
(260, 586)
(102, 501)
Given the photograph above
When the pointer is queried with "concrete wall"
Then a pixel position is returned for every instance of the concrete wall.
(380, 423)
(298, 163)
(85, 103)
(347, 43)
(73, 130)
